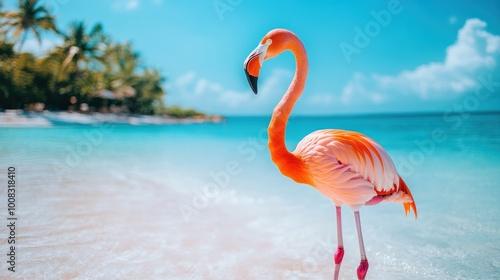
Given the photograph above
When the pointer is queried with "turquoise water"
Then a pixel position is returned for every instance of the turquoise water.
(204, 201)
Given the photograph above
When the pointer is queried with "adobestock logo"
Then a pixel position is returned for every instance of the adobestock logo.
(456, 115)
(211, 191)
(77, 152)
(223, 6)
(53, 5)
(363, 37)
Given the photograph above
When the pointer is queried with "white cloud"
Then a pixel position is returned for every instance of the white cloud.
(209, 96)
(475, 52)
(129, 5)
(320, 99)
(274, 86)
(126, 4)
(185, 79)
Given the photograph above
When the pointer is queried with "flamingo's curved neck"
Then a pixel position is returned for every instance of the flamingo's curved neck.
(287, 162)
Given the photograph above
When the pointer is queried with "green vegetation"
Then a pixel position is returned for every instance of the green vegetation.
(88, 70)
(31, 16)
(178, 112)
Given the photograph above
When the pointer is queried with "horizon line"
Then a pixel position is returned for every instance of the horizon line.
(408, 114)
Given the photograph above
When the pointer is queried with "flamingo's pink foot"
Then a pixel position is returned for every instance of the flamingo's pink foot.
(362, 269)
(339, 255)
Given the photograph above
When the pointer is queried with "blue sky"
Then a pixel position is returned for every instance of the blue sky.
(426, 57)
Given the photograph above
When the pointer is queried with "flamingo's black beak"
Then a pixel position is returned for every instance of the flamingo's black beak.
(253, 63)
(252, 67)
(252, 80)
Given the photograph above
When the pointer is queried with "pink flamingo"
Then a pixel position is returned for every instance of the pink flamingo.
(347, 167)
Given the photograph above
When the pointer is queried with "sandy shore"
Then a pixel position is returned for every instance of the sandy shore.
(15, 118)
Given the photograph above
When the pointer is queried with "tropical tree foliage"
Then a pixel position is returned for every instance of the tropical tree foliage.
(32, 17)
(88, 67)
(23, 78)
(83, 48)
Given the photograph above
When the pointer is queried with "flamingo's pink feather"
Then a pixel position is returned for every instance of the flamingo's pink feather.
(350, 168)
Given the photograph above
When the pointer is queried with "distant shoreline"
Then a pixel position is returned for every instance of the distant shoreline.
(20, 118)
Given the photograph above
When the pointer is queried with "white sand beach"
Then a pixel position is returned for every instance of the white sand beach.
(19, 118)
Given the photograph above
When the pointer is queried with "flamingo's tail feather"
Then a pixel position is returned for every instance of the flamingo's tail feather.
(408, 205)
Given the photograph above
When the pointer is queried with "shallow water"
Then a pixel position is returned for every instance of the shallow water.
(204, 201)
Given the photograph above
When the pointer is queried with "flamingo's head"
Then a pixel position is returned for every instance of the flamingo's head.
(254, 61)
(270, 46)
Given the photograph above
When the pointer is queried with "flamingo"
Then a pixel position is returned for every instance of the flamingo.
(347, 167)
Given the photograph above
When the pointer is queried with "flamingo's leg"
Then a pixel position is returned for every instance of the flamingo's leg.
(363, 266)
(339, 254)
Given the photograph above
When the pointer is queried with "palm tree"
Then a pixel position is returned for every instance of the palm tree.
(2, 30)
(150, 91)
(31, 17)
(138, 87)
(120, 63)
(81, 47)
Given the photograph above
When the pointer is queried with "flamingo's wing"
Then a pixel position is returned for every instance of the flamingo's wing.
(349, 167)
